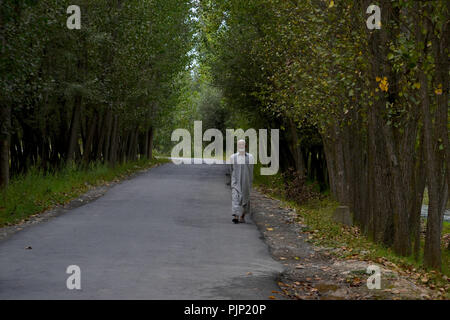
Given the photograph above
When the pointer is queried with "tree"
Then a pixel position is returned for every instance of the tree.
(376, 97)
(94, 94)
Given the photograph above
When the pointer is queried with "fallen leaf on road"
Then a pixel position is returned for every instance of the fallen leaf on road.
(272, 298)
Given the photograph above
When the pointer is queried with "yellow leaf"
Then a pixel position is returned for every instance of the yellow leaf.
(384, 85)
(331, 4)
(269, 229)
(416, 85)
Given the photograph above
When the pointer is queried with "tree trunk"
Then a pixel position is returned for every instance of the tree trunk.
(296, 149)
(434, 126)
(114, 142)
(419, 180)
(87, 151)
(150, 143)
(107, 142)
(432, 252)
(145, 140)
(74, 129)
(5, 139)
(328, 143)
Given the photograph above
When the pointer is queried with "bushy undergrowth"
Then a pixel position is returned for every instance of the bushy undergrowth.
(297, 188)
(290, 185)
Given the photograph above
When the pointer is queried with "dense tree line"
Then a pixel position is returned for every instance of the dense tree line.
(93, 94)
(369, 109)
(363, 112)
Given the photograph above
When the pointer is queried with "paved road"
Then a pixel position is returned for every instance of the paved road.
(166, 234)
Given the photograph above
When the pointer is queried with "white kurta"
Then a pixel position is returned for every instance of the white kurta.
(241, 181)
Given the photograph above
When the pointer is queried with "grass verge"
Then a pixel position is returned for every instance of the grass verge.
(37, 191)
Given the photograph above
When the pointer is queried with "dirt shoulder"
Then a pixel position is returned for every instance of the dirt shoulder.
(313, 272)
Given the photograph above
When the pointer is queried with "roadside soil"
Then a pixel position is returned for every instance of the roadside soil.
(313, 272)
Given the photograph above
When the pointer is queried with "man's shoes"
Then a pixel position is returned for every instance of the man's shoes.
(237, 219)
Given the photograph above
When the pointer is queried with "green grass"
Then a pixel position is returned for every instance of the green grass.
(446, 228)
(37, 191)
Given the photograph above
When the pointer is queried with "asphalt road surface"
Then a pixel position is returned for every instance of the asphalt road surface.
(165, 234)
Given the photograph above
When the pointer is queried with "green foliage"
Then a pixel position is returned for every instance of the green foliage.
(118, 73)
(314, 70)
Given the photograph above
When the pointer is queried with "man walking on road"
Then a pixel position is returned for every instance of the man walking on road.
(241, 181)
